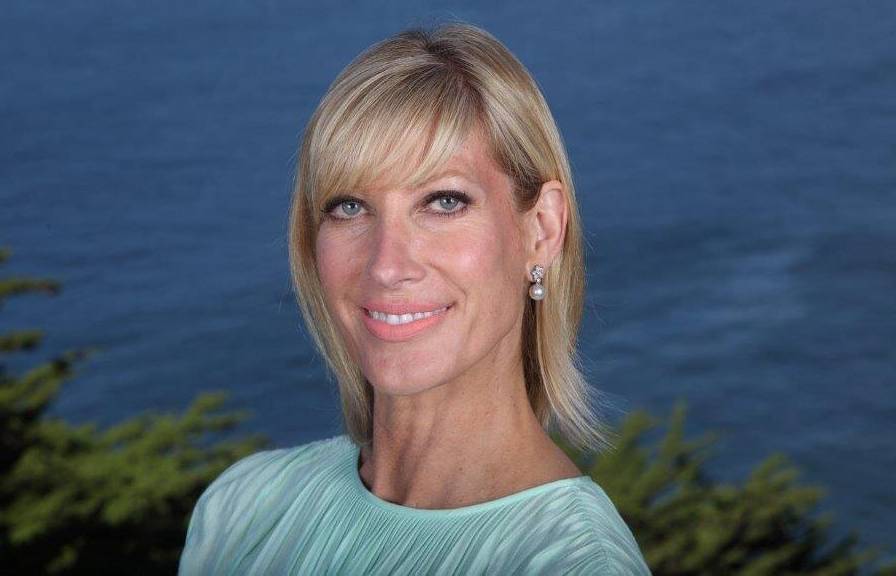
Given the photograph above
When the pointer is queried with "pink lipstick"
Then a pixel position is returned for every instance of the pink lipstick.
(399, 322)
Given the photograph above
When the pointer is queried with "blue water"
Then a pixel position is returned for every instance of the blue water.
(734, 164)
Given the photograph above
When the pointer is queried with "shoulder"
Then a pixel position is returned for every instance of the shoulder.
(612, 548)
(249, 484)
(578, 530)
(257, 470)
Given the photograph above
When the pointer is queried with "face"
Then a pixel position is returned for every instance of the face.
(427, 285)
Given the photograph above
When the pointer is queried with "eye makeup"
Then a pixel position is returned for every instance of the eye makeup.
(458, 196)
(335, 203)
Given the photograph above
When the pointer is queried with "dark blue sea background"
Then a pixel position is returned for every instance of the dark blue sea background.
(735, 164)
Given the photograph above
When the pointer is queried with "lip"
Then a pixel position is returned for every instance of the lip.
(402, 307)
(402, 332)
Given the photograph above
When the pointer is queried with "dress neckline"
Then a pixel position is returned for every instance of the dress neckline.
(354, 463)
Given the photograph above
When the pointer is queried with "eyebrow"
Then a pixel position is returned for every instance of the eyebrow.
(451, 172)
(446, 174)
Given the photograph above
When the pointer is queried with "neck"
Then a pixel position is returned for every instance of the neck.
(460, 443)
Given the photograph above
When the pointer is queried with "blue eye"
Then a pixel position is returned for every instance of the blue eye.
(342, 208)
(350, 211)
(451, 202)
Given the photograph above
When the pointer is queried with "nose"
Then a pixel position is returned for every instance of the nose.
(393, 258)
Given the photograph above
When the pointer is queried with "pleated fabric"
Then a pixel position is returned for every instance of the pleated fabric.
(305, 510)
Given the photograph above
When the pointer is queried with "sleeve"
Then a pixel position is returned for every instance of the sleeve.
(578, 532)
(612, 560)
(613, 550)
(213, 516)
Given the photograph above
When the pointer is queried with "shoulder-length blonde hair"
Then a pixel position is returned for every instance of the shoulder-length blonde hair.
(399, 110)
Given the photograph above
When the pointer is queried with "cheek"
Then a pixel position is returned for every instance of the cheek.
(338, 251)
(486, 264)
(327, 265)
(334, 263)
(336, 270)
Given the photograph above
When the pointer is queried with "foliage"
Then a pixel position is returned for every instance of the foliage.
(687, 525)
(78, 500)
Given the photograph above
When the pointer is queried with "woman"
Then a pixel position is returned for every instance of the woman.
(437, 255)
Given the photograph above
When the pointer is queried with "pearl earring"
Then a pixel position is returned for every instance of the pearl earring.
(536, 290)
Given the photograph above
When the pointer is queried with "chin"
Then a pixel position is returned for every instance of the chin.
(402, 381)
(400, 388)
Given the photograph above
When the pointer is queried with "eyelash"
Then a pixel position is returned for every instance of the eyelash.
(455, 194)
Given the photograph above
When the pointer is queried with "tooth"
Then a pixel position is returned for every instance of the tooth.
(395, 319)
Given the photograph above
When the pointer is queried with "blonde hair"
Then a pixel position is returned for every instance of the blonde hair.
(437, 87)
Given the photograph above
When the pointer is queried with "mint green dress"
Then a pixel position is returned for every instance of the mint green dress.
(305, 510)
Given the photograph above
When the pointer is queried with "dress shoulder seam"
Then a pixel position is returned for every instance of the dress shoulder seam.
(602, 549)
(252, 463)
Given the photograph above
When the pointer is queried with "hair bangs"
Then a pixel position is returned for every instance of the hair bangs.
(399, 133)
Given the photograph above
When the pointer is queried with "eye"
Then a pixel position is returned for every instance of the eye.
(342, 208)
(449, 203)
(350, 207)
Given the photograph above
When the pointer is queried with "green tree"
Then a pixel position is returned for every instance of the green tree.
(688, 525)
(78, 500)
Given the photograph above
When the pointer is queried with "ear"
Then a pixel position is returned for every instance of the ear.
(546, 225)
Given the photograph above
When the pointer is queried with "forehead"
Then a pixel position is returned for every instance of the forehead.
(470, 160)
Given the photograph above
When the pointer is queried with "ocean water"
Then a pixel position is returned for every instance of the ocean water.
(735, 165)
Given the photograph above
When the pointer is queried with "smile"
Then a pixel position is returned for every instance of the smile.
(399, 326)
(398, 319)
